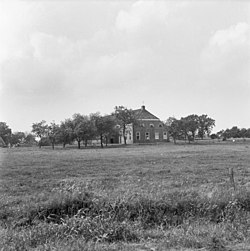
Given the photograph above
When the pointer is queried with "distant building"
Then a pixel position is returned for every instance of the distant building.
(149, 129)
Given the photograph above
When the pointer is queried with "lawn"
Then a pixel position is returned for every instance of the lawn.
(144, 197)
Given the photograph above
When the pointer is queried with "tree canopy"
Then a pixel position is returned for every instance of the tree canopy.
(124, 117)
(5, 133)
(189, 127)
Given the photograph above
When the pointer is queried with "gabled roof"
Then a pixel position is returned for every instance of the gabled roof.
(143, 114)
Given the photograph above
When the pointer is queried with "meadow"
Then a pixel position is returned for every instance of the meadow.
(143, 197)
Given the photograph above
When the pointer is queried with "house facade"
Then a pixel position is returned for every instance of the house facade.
(148, 129)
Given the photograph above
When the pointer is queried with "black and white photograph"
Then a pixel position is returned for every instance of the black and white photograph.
(124, 125)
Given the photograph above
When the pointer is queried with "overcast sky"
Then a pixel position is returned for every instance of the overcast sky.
(58, 58)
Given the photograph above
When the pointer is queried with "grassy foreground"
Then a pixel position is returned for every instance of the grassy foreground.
(159, 197)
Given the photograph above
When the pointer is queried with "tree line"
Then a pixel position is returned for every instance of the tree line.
(15, 138)
(234, 132)
(79, 128)
(82, 128)
(189, 127)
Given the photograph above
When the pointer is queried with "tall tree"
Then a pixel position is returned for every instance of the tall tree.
(17, 138)
(174, 128)
(226, 134)
(124, 117)
(192, 125)
(243, 133)
(90, 131)
(40, 130)
(83, 128)
(248, 133)
(235, 132)
(53, 133)
(5, 133)
(66, 131)
(30, 139)
(206, 125)
(183, 128)
(78, 128)
(105, 126)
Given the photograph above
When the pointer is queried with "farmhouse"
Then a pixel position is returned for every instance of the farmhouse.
(149, 129)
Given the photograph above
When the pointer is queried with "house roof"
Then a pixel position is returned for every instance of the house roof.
(143, 114)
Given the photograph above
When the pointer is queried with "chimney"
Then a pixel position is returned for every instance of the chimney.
(143, 108)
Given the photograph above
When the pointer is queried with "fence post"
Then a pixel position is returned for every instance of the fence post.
(231, 176)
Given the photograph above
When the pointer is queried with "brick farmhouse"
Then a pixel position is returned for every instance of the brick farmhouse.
(149, 129)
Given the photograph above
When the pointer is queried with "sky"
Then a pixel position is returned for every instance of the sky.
(177, 58)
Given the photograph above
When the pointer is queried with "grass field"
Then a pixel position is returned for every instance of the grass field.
(151, 197)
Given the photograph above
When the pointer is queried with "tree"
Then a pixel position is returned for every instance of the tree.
(105, 125)
(248, 133)
(206, 125)
(220, 134)
(183, 129)
(17, 138)
(77, 123)
(83, 129)
(5, 133)
(174, 128)
(235, 132)
(124, 117)
(66, 132)
(30, 139)
(90, 129)
(243, 133)
(192, 125)
(53, 131)
(214, 136)
(40, 130)
(226, 134)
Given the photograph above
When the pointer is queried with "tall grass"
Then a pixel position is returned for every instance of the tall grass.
(158, 203)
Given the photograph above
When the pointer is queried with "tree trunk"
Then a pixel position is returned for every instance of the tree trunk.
(86, 142)
(79, 144)
(106, 139)
(124, 136)
(101, 141)
(64, 144)
(193, 136)
(53, 145)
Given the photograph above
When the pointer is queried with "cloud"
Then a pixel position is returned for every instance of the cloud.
(30, 78)
(96, 54)
(228, 52)
(16, 23)
(142, 13)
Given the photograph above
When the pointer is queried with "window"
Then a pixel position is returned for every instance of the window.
(160, 125)
(157, 135)
(147, 135)
(142, 125)
(129, 136)
(152, 125)
(137, 135)
(165, 135)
